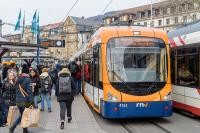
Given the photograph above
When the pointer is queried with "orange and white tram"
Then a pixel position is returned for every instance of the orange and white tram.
(127, 72)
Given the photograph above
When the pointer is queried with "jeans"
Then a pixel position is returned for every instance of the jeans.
(3, 113)
(65, 105)
(79, 85)
(46, 97)
(35, 101)
(18, 120)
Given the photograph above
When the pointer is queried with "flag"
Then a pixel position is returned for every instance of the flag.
(23, 28)
(38, 24)
(34, 23)
(17, 26)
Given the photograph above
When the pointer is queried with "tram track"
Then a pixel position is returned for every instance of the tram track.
(133, 128)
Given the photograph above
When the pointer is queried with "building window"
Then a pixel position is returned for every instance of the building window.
(157, 12)
(176, 20)
(194, 16)
(168, 21)
(145, 24)
(142, 14)
(160, 22)
(182, 8)
(185, 19)
(173, 9)
(152, 24)
(190, 6)
(149, 13)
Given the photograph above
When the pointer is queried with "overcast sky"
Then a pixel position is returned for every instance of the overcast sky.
(52, 11)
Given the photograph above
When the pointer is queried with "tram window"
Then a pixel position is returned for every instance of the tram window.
(187, 67)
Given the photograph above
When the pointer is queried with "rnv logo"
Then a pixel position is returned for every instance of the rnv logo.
(141, 105)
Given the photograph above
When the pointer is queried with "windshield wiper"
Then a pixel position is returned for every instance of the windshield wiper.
(125, 83)
(154, 84)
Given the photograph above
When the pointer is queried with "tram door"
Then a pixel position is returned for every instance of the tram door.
(96, 75)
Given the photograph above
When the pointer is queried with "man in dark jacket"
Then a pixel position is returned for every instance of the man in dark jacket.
(65, 91)
(22, 100)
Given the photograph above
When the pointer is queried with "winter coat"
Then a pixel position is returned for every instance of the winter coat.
(66, 96)
(45, 76)
(78, 73)
(36, 90)
(9, 93)
(24, 81)
(70, 66)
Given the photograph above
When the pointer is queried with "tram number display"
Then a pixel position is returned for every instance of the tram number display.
(123, 105)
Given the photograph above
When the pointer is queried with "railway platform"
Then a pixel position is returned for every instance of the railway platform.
(83, 120)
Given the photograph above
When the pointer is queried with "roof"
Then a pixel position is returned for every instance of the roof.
(2, 39)
(85, 22)
(185, 29)
(162, 3)
(51, 26)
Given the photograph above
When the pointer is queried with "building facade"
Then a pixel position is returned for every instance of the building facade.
(78, 31)
(166, 15)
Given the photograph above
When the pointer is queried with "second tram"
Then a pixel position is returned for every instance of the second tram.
(185, 54)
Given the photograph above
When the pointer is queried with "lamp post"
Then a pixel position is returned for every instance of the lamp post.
(151, 24)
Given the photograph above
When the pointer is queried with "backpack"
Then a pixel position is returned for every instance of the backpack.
(64, 85)
(45, 84)
(73, 67)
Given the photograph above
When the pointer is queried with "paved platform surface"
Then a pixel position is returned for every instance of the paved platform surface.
(83, 120)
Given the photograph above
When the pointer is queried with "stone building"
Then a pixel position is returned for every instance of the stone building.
(78, 30)
(166, 15)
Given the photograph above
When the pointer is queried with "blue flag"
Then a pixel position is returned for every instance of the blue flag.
(23, 28)
(17, 26)
(34, 23)
(38, 24)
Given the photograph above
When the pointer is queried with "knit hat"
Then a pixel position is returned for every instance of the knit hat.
(25, 69)
(45, 70)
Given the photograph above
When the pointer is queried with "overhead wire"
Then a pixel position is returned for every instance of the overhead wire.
(70, 10)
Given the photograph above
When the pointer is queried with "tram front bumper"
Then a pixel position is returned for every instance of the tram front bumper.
(136, 109)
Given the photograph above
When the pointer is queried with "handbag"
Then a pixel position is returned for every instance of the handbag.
(13, 114)
(30, 117)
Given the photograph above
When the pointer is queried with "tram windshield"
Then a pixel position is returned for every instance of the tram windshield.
(136, 59)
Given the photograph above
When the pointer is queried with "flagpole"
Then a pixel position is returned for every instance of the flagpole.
(38, 40)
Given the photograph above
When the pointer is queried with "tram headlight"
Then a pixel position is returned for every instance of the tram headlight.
(112, 97)
(168, 97)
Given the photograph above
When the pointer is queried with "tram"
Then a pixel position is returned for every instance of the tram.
(127, 72)
(185, 55)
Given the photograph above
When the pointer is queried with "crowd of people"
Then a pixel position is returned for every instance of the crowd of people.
(26, 86)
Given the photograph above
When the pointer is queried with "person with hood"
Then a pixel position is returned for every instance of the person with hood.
(46, 88)
(65, 91)
(35, 85)
(23, 100)
(54, 74)
(9, 91)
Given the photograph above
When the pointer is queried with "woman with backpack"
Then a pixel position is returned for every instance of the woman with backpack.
(35, 85)
(65, 91)
(46, 88)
